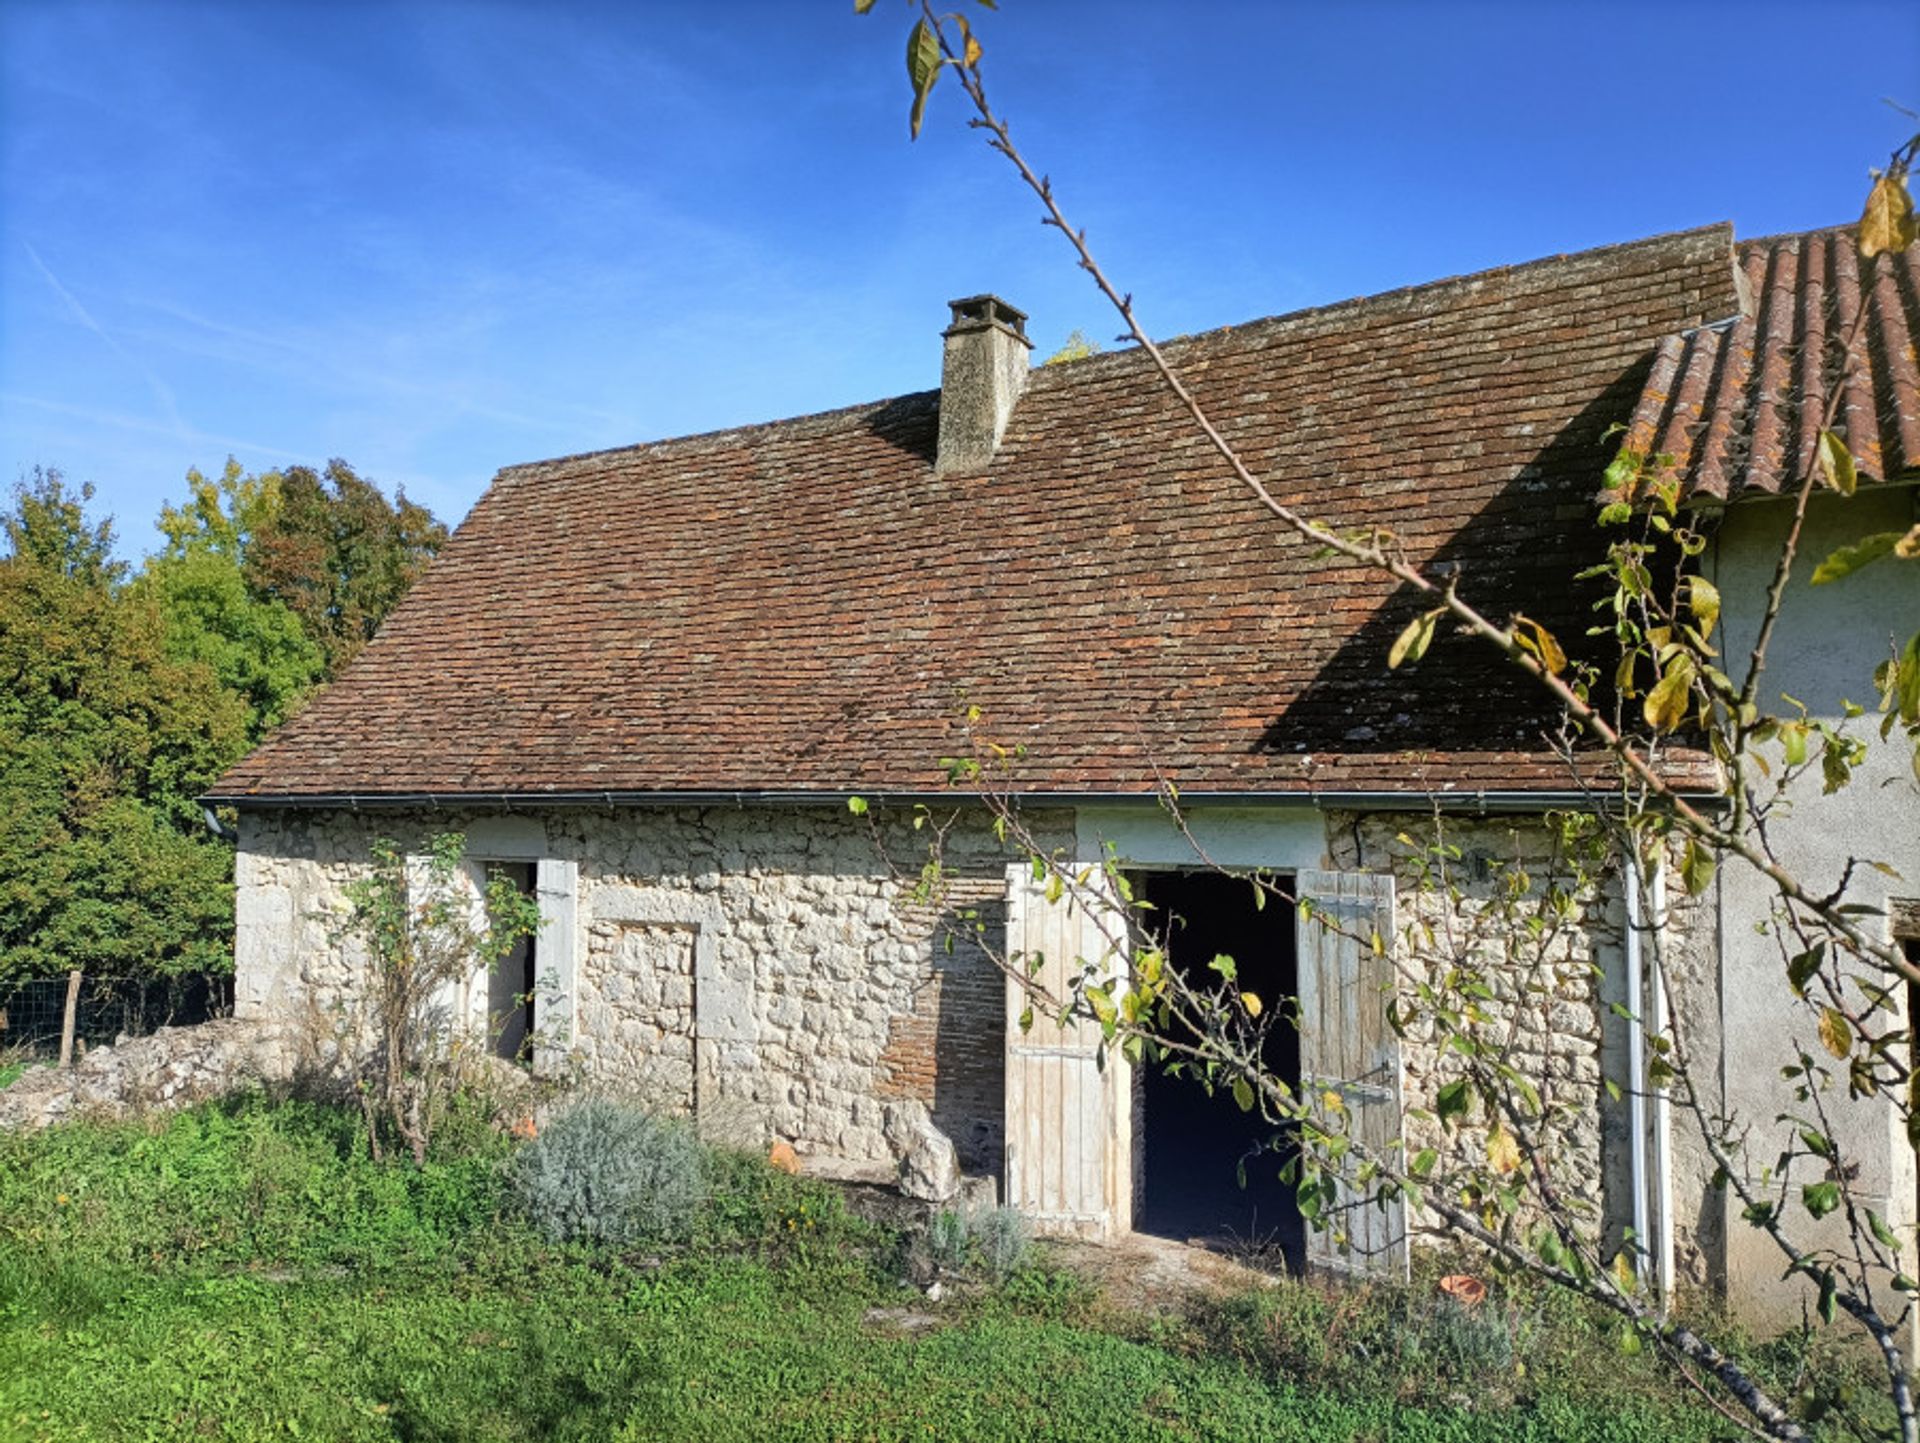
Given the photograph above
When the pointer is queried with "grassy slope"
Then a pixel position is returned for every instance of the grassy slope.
(245, 1274)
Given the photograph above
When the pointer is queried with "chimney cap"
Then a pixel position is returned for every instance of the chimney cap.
(974, 313)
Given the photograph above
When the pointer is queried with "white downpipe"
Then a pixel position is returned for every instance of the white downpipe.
(1636, 1065)
(1662, 1103)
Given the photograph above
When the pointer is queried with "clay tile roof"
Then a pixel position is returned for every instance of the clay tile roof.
(1737, 404)
(806, 607)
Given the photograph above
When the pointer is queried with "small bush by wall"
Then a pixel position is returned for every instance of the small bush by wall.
(609, 1172)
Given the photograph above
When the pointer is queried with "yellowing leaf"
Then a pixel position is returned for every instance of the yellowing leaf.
(1704, 597)
(1535, 638)
(1836, 464)
(1836, 1034)
(1623, 677)
(1412, 643)
(1907, 548)
(1666, 705)
(1243, 1094)
(973, 52)
(923, 68)
(1887, 224)
(1252, 1003)
(861, 7)
(1502, 1151)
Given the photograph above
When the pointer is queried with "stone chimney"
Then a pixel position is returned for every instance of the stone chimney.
(982, 374)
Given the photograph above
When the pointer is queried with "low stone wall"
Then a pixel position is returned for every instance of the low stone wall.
(173, 1068)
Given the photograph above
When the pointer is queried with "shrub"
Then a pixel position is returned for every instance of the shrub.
(1002, 1236)
(1465, 1343)
(994, 1238)
(609, 1172)
(947, 1241)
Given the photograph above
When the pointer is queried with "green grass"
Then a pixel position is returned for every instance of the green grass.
(247, 1273)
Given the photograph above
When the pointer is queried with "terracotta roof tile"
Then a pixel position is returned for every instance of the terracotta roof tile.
(1737, 404)
(806, 606)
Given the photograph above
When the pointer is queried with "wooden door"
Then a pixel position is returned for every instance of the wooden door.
(1068, 1153)
(1347, 1047)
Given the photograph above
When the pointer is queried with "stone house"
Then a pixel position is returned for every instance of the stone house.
(648, 680)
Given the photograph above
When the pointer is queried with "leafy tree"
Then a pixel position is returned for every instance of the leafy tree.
(417, 921)
(106, 738)
(255, 647)
(337, 554)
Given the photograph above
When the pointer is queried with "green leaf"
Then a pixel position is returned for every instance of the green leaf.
(1623, 472)
(1696, 868)
(1413, 641)
(1836, 464)
(1849, 559)
(1793, 742)
(1802, 966)
(857, 805)
(1820, 1198)
(1224, 965)
(1243, 1094)
(861, 7)
(1453, 1099)
(1423, 1162)
(923, 69)
(1881, 1231)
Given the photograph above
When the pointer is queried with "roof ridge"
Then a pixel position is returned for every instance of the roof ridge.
(816, 422)
(804, 424)
(1817, 232)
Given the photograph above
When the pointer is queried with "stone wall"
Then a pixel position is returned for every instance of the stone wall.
(174, 1067)
(769, 970)
(1551, 998)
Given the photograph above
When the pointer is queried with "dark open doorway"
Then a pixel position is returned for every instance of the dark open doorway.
(1198, 1147)
(510, 986)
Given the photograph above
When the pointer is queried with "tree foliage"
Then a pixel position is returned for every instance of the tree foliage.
(106, 737)
(123, 697)
(254, 645)
(336, 553)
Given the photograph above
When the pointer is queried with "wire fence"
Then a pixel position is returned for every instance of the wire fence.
(33, 1012)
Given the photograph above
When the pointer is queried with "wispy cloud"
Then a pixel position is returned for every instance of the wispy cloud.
(187, 435)
(162, 392)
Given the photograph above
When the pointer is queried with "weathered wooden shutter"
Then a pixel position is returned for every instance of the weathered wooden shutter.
(1346, 1046)
(1068, 1166)
(459, 1004)
(556, 888)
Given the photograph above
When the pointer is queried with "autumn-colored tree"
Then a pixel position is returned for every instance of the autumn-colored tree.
(338, 555)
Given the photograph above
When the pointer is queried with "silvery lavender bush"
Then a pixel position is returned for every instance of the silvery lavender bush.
(609, 1172)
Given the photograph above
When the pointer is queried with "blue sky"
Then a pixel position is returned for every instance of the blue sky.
(437, 239)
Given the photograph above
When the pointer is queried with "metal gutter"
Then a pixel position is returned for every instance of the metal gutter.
(1449, 801)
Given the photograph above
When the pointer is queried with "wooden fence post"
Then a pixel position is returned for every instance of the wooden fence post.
(72, 1014)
